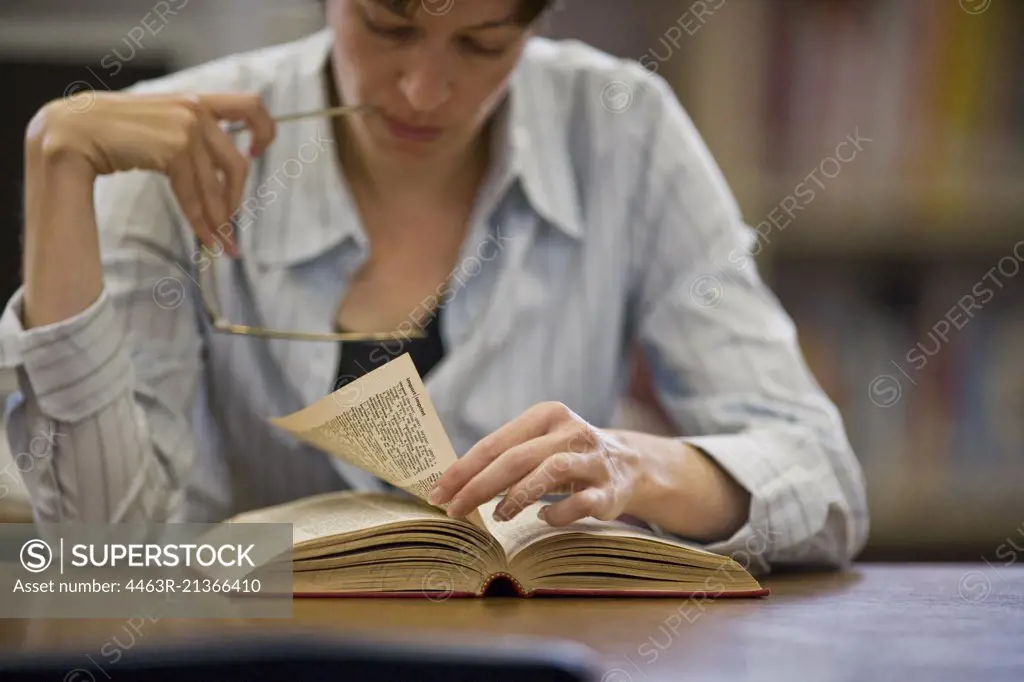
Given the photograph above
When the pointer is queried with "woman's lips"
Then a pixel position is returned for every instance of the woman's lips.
(404, 131)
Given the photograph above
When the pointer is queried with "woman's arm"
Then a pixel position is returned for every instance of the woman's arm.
(113, 454)
(727, 365)
(62, 270)
(106, 349)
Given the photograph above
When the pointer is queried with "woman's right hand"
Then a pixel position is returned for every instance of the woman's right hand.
(175, 134)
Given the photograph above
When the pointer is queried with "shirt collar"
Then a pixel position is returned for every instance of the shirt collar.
(530, 138)
(530, 146)
(306, 209)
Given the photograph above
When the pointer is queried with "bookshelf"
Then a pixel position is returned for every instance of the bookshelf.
(772, 119)
(899, 231)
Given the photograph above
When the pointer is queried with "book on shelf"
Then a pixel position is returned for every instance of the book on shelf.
(932, 90)
(381, 543)
(922, 366)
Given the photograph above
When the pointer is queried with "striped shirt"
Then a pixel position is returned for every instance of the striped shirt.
(603, 223)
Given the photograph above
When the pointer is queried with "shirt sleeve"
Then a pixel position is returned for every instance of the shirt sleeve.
(104, 395)
(727, 365)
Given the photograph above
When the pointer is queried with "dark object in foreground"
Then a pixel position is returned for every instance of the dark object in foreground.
(314, 658)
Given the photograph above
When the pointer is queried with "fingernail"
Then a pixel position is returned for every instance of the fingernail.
(502, 512)
(542, 512)
(436, 495)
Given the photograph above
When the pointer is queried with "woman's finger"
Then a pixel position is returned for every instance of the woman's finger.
(235, 168)
(210, 188)
(556, 473)
(507, 469)
(183, 182)
(588, 502)
(533, 423)
(249, 108)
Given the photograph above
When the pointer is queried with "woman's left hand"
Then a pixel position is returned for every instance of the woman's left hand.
(547, 449)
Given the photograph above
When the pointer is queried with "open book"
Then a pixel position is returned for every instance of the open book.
(378, 543)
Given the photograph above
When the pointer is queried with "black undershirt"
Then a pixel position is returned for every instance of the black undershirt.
(361, 357)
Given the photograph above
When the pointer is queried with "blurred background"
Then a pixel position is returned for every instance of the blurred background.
(899, 254)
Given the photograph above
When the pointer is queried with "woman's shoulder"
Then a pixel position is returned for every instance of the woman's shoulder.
(577, 73)
(593, 104)
(599, 109)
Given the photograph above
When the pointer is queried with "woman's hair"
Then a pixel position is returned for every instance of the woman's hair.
(529, 10)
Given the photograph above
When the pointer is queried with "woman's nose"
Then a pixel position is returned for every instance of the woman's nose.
(426, 86)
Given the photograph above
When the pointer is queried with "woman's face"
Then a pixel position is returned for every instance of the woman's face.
(435, 76)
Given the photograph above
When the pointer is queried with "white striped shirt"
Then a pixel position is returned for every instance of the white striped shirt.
(604, 222)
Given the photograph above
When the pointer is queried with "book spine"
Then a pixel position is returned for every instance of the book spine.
(498, 575)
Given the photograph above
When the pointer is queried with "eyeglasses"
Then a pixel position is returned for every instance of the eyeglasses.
(211, 309)
(211, 304)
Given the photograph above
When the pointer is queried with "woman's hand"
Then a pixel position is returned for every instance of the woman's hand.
(608, 473)
(177, 135)
(549, 448)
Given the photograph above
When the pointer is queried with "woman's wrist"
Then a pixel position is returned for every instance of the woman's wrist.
(683, 490)
(52, 149)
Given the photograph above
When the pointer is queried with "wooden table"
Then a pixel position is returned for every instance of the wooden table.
(876, 622)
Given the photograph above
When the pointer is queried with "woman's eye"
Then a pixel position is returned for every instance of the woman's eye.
(392, 32)
(475, 47)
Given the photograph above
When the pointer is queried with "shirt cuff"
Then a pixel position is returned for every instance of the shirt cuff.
(73, 368)
(743, 458)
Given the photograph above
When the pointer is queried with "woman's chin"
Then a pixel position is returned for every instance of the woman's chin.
(407, 147)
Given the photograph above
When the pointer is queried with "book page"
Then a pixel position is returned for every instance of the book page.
(526, 529)
(591, 555)
(384, 423)
(339, 513)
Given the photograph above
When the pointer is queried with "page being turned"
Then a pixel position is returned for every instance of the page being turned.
(384, 423)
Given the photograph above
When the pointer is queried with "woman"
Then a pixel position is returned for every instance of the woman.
(536, 208)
